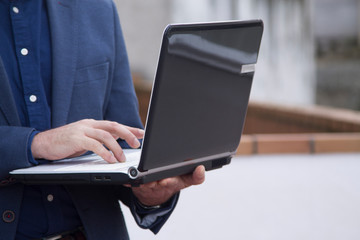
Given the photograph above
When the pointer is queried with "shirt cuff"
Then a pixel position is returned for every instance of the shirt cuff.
(31, 159)
(153, 218)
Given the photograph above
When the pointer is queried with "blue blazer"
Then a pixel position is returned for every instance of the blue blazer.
(91, 79)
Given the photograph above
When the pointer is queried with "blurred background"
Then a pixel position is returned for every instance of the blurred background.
(296, 175)
(310, 52)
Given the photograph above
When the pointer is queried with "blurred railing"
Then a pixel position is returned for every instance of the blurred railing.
(277, 129)
(272, 118)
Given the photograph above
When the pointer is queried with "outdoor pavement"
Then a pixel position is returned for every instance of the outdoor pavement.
(269, 197)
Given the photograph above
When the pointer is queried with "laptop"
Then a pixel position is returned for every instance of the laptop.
(196, 114)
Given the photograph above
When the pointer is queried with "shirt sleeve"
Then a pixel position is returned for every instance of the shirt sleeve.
(153, 219)
(13, 147)
(31, 158)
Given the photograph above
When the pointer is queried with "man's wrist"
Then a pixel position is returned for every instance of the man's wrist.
(36, 147)
(147, 207)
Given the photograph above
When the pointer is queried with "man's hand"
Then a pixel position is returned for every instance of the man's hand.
(86, 135)
(159, 192)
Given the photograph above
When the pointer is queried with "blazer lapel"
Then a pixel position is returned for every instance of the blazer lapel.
(7, 102)
(64, 40)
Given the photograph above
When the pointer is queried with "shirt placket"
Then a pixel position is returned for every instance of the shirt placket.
(28, 64)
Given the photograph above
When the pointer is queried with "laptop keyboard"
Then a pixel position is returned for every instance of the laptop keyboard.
(94, 163)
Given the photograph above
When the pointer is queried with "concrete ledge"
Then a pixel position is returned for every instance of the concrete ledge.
(299, 143)
(281, 129)
(274, 118)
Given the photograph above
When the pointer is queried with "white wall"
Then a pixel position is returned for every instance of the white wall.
(143, 23)
(286, 69)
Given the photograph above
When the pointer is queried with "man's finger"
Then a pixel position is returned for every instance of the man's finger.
(99, 149)
(107, 139)
(173, 182)
(199, 175)
(120, 131)
(139, 133)
(196, 178)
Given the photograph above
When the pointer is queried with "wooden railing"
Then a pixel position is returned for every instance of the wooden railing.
(276, 129)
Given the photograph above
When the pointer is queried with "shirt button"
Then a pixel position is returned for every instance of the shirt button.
(15, 10)
(24, 51)
(32, 98)
(50, 197)
(8, 216)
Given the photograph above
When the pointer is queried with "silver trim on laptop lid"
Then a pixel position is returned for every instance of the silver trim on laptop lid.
(248, 68)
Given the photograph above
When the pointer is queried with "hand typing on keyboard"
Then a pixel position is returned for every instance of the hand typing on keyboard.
(86, 135)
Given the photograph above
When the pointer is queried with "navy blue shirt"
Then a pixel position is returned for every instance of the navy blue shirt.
(25, 49)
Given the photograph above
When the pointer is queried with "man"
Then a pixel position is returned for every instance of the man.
(66, 89)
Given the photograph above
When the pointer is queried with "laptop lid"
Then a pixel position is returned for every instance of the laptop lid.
(201, 91)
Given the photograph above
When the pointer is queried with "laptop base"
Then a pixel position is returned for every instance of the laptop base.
(115, 178)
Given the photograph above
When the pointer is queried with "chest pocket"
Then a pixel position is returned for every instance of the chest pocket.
(89, 92)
